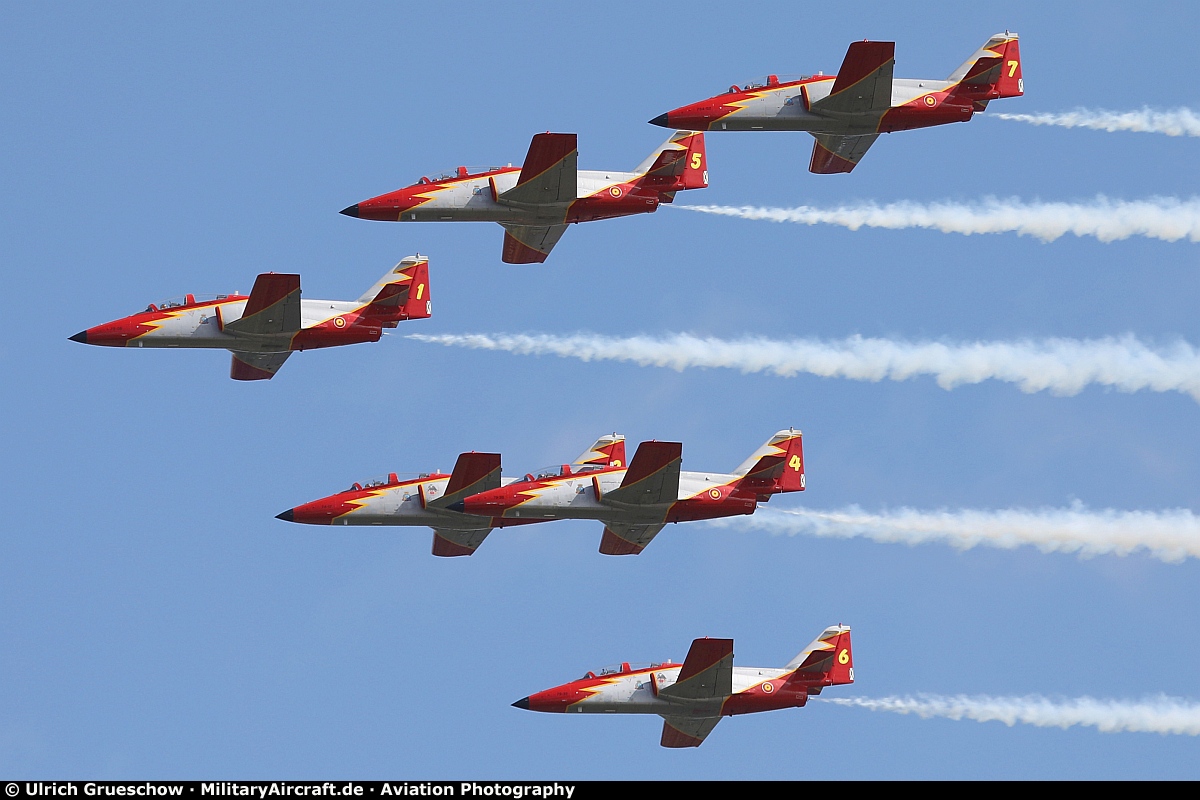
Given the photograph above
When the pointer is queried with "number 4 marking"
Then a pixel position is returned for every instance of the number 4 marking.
(795, 463)
(1012, 68)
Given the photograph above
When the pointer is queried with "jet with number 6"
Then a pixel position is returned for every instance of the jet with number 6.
(536, 201)
(265, 327)
(692, 697)
(846, 112)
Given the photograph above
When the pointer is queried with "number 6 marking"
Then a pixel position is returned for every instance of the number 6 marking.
(844, 656)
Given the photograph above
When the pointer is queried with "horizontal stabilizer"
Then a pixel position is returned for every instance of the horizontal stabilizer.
(686, 731)
(256, 366)
(273, 307)
(550, 174)
(707, 671)
(652, 477)
(473, 473)
(864, 81)
(627, 540)
(833, 154)
(529, 244)
(448, 542)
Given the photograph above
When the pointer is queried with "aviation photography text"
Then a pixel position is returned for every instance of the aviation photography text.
(265, 789)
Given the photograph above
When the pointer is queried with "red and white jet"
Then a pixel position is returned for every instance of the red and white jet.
(265, 327)
(634, 501)
(536, 201)
(692, 697)
(846, 112)
(434, 499)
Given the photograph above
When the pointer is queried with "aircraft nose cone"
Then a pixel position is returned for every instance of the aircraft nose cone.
(459, 506)
(80, 337)
(661, 120)
(522, 703)
(350, 211)
(287, 516)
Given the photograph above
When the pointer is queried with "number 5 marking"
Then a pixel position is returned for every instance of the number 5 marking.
(696, 159)
(1012, 68)
(795, 463)
(844, 656)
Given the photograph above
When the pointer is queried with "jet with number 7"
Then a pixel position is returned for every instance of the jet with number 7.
(692, 697)
(536, 201)
(846, 112)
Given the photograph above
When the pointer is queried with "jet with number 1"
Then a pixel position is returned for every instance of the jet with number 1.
(692, 697)
(846, 112)
(272, 322)
(538, 200)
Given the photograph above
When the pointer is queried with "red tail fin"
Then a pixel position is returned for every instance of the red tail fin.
(993, 70)
(777, 466)
(828, 661)
(401, 294)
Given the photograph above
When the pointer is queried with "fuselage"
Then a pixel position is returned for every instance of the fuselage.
(773, 105)
(200, 322)
(391, 501)
(638, 689)
(573, 493)
(474, 196)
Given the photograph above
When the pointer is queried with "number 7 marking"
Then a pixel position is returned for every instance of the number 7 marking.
(1012, 68)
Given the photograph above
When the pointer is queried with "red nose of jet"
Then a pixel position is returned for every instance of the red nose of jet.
(111, 334)
(386, 207)
(696, 117)
(318, 512)
(555, 700)
(489, 503)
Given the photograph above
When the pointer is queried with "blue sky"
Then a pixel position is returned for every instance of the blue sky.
(157, 621)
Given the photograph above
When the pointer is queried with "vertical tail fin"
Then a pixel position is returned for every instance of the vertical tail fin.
(403, 293)
(827, 661)
(473, 473)
(777, 466)
(995, 68)
(608, 451)
(682, 160)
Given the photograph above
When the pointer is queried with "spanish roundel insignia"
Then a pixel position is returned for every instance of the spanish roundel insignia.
(930, 100)
(768, 687)
(715, 494)
(339, 322)
(615, 191)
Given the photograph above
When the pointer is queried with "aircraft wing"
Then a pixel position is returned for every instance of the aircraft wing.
(707, 671)
(452, 542)
(686, 731)
(550, 173)
(256, 366)
(627, 540)
(652, 477)
(530, 244)
(273, 307)
(832, 154)
(864, 82)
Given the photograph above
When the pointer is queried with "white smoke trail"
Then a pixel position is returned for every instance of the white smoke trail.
(1061, 366)
(1159, 714)
(1171, 535)
(1173, 122)
(1166, 218)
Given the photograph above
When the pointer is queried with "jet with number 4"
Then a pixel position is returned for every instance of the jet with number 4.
(538, 200)
(434, 499)
(637, 501)
(846, 112)
(264, 328)
(692, 697)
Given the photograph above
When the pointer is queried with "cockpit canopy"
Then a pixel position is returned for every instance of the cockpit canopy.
(626, 667)
(561, 471)
(391, 479)
(183, 300)
(459, 172)
(768, 81)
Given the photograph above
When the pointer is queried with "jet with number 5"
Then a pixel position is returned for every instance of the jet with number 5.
(846, 112)
(265, 327)
(538, 200)
(637, 501)
(694, 696)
